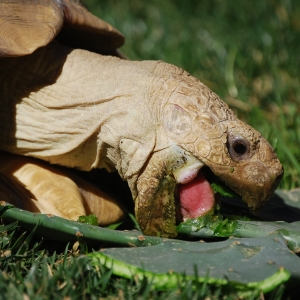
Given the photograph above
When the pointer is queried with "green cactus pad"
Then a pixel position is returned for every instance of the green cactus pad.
(234, 261)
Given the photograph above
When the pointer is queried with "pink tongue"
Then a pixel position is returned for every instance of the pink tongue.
(196, 197)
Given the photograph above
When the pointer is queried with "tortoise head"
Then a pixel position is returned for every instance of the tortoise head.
(202, 124)
(249, 165)
(202, 133)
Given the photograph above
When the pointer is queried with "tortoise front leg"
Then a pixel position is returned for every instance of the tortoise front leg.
(50, 189)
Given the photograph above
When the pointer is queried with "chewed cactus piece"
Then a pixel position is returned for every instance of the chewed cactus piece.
(60, 229)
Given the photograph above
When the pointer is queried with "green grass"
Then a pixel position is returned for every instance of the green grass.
(245, 51)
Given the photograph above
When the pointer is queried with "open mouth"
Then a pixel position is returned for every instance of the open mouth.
(193, 194)
(184, 189)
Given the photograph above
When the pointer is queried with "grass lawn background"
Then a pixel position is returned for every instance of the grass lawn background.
(245, 51)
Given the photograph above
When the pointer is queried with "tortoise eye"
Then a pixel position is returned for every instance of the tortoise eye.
(238, 147)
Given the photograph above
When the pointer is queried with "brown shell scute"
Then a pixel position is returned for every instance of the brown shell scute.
(84, 30)
(29, 25)
(23, 30)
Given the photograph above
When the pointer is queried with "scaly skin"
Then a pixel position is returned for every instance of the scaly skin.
(147, 120)
(37, 186)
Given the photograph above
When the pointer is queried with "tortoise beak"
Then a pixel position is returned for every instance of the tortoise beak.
(263, 190)
(257, 183)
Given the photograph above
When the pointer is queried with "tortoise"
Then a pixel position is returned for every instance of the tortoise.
(68, 99)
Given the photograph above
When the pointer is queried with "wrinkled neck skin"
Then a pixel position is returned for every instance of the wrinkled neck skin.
(82, 110)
